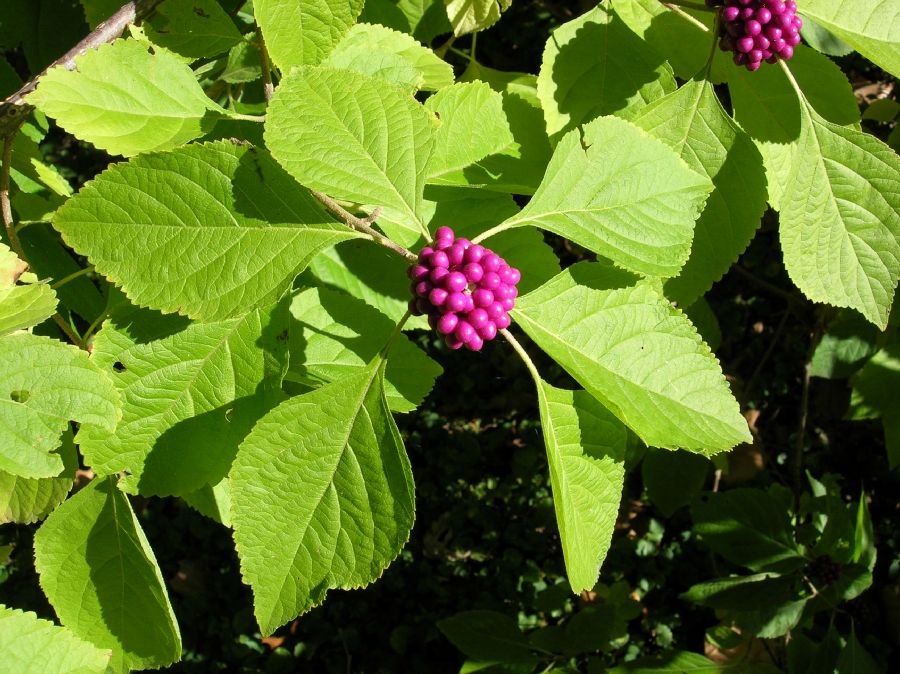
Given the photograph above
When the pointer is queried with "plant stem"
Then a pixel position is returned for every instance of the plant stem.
(507, 335)
(71, 277)
(699, 6)
(266, 65)
(397, 330)
(247, 118)
(687, 17)
(503, 226)
(14, 109)
(362, 226)
(12, 235)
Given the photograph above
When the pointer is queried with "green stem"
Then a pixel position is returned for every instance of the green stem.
(502, 227)
(523, 355)
(396, 333)
(687, 17)
(472, 48)
(71, 277)
(247, 118)
(265, 65)
(699, 6)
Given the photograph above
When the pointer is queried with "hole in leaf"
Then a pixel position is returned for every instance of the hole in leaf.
(19, 396)
(118, 366)
(229, 413)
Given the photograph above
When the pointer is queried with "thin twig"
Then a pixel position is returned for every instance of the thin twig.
(687, 17)
(266, 65)
(796, 458)
(71, 277)
(771, 287)
(768, 354)
(14, 243)
(14, 109)
(362, 226)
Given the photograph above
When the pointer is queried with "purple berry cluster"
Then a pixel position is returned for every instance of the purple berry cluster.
(466, 290)
(759, 30)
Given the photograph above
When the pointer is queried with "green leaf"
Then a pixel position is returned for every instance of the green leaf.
(473, 126)
(840, 221)
(488, 636)
(30, 645)
(189, 397)
(322, 496)
(673, 479)
(301, 32)
(748, 527)
(212, 501)
(518, 168)
(332, 335)
(620, 193)
(854, 659)
(423, 19)
(682, 43)
(864, 551)
(869, 26)
(227, 229)
(355, 138)
(243, 63)
(595, 65)
(43, 384)
(26, 500)
(21, 305)
(101, 577)
(126, 101)
(767, 107)
(98, 11)
(849, 341)
(675, 662)
(692, 122)
(638, 355)
(374, 275)
(823, 40)
(586, 451)
(365, 45)
(469, 16)
(195, 29)
(764, 605)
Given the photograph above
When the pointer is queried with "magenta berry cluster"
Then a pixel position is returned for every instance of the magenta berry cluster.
(759, 30)
(466, 290)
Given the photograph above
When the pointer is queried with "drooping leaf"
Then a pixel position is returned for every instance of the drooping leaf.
(366, 46)
(188, 398)
(488, 636)
(639, 356)
(621, 193)
(423, 19)
(823, 40)
(692, 122)
(473, 126)
(126, 100)
(875, 389)
(674, 662)
(301, 32)
(30, 645)
(869, 26)
(469, 16)
(195, 29)
(101, 577)
(25, 500)
(672, 479)
(332, 335)
(355, 138)
(209, 230)
(322, 496)
(44, 384)
(748, 527)
(840, 220)
(213, 501)
(585, 451)
(22, 305)
(854, 659)
(595, 65)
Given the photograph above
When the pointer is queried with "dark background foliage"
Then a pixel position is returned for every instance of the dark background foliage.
(485, 535)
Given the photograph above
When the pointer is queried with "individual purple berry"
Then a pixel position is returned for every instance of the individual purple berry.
(488, 331)
(478, 318)
(456, 282)
(465, 290)
(758, 30)
(438, 296)
(447, 324)
(455, 302)
(474, 272)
